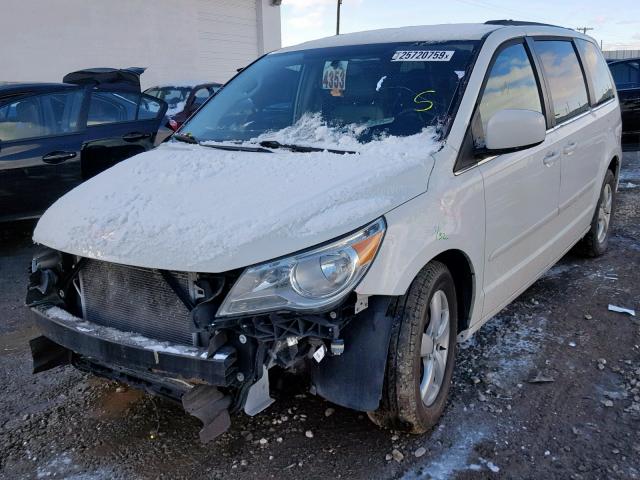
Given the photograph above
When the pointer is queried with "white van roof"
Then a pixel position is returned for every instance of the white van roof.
(424, 33)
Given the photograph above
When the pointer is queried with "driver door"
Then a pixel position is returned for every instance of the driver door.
(521, 188)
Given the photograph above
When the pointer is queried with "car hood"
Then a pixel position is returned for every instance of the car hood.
(194, 208)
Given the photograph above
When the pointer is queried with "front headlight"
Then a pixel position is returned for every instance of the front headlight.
(307, 281)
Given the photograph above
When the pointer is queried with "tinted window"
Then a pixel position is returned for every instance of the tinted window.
(112, 107)
(172, 95)
(201, 95)
(626, 74)
(563, 73)
(40, 116)
(149, 108)
(511, 84)
(597, 70)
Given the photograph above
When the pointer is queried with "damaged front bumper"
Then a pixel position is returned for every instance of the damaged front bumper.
(133, 351)
(187, 374)
(157, 331)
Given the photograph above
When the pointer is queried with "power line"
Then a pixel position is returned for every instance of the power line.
(584, 30)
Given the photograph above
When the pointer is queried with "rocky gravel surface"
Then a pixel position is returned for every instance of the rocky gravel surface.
(549, 388)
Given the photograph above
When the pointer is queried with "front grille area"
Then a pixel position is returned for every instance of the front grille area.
(135, 299)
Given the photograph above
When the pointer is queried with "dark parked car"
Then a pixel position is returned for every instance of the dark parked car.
(183, 100)
(55, 135)
(626, 75)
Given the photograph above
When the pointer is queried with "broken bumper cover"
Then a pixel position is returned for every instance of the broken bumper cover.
(133, 351)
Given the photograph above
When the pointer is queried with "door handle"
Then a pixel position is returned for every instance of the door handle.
(58, 157)
(550, 158)
(135, 136)
(570, 148)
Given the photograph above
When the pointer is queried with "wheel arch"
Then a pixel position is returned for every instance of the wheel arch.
(464, 279)
(614, 166)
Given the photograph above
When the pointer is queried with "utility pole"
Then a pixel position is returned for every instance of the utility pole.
(584, 29)
(338, 18)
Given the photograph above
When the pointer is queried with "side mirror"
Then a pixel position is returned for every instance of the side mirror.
(511, 130)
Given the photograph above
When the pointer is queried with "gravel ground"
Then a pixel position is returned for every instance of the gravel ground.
(549, 388)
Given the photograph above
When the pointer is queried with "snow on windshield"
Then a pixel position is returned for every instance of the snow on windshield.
(311, 130)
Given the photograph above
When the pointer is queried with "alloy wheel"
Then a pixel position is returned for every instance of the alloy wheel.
(434, 348)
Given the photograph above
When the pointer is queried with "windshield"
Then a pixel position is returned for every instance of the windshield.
(394, 89)
(171, 95)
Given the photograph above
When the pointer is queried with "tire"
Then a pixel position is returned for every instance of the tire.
(402, 406)
(595, 242)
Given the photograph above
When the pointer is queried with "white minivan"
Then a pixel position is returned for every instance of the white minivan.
(346, 209)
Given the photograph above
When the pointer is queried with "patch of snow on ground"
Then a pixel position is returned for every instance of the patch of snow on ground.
(559, 269)
(514, 351)
(63, 466)
(451, 459)
(630, 169)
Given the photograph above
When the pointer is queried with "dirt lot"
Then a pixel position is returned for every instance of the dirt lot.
(582, 422)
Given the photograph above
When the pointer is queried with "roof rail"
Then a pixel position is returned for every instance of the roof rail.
(519, 23)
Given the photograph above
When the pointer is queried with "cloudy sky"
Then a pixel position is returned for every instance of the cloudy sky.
(615, 22)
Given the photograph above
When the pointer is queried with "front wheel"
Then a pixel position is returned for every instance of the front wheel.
(596, 240)
(421, 354)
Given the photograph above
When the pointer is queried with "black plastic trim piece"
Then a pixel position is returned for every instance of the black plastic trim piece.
(355, 378)
(520, 23)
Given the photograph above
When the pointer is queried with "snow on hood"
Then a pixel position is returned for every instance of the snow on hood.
(194, 208)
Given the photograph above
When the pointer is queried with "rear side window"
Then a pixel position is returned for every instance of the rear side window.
(117, 107)
(626, 74)
(597, 70)
(112, 107)
(511, 84)
(41, 116)
(564, 76)
(149, 108)
(201, 95)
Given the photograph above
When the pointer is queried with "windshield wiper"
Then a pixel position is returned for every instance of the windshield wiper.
(274, 144)
(188, 138)
(185, 137)
(234, 148)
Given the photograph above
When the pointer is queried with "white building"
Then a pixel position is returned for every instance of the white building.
(184, 40)
(621, 54)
